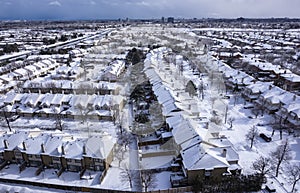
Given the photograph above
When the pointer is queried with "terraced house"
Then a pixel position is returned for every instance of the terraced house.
(56, 150)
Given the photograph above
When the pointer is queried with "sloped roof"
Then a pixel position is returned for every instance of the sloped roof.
(99, 146)
(16, 139)
(291, 77)
(53, 145)
(259, 87)
(33, 144)
(183, 132)
(196, 158)
(74, 149)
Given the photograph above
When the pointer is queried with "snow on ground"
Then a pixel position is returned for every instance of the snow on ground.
(11, 188)
(113, 180)
(236, 134)
(49, 175)
(74, 127)
(157, 162)
(163, 180)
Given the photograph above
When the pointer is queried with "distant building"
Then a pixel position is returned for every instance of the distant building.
(170, 19)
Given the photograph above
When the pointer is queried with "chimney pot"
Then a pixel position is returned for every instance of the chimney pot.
(43, 148)
(5, 144)
(62, 150)
(224, 153)
(24, 145)
(84, 150)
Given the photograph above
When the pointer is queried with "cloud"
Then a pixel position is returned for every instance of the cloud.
(113, 9)
(55, 3)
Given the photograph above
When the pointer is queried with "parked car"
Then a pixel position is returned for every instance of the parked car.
(270, 188)
(249, 106)
(266, 138)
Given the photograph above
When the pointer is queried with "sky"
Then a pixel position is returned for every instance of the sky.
(141, 9)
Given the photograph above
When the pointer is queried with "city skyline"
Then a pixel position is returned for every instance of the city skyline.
(141, 9)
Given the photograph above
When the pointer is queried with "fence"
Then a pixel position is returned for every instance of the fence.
(89, 189)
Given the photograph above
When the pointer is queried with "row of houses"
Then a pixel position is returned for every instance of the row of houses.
(234, 50)
(103, 107)
(265, 95)
(71, 87)
(30, 71)
(56, 150)
(194, 156)
(265, 71)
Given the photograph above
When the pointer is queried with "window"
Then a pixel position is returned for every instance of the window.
(208, 172)
(37, 156)
(18, 154)
(77, 161)
(98, 160)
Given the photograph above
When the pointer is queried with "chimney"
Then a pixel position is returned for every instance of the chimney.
(5, 144)
(294, 97)
(43, 148)
(62, 150)
(270, 87)
(24, 145)
(224, 153)
(84, 150)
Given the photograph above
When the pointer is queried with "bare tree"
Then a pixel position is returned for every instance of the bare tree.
(258, 110)
(125, 139)
(3, 112)
(255, 111)
(128, 175)
(281, 154)
(58, 119)
(119, 154)
(216, 119)
(263, 165)
(230, 121)
(201, 90)
(293, 172)
(148, 179)
(251, 135)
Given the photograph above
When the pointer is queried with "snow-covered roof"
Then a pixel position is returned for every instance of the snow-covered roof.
(33, 98)
(291, 77)
(53, 145)
(183, 132)
(15, 139)
(33, 144)
(259, 87)
(74, 149)
(47, 100)
(272, 91)
(99, 146)
(197, 158)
